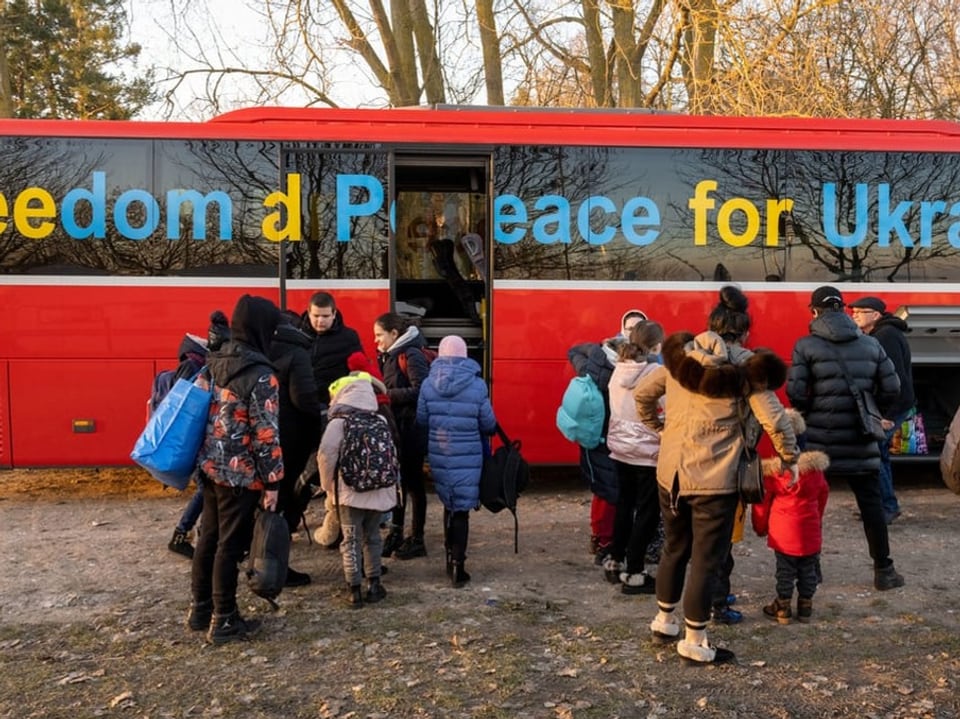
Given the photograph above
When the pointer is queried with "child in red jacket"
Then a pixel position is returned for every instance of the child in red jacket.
(791, 517)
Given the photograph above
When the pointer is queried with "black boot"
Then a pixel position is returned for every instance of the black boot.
(459, 575)
(887, 578)
(353, 596)
(392, 541)
(200, 614)
(180, 544)
(375, 591)
(449, 563)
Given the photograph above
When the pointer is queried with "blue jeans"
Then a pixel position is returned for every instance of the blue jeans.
(888, 497)
(191, 513)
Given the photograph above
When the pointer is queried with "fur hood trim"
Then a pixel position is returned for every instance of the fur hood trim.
(702, 365)
(812, 461)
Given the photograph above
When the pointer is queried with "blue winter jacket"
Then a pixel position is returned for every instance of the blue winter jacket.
(454, 407)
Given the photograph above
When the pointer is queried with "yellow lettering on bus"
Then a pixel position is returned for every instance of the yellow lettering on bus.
(775, 208)
(750, 212)
(4, 213)
(34, 203)
(700, 203)
(272, 226)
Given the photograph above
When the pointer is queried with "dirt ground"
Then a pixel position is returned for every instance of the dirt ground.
(92, 609)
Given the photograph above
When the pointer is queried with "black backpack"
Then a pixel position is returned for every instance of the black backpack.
(504, 478)
(269, 556)
(368, 456)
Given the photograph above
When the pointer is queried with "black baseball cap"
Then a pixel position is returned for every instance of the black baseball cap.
(826, 296)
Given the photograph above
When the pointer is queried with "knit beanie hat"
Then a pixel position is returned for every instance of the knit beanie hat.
(452, 346)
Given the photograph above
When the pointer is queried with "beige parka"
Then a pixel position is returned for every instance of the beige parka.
(709, 385)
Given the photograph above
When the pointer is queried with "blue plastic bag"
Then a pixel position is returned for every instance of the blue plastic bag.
(168, 446)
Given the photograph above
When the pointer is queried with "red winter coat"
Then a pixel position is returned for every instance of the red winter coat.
(792, 517)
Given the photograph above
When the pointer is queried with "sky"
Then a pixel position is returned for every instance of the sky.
(153, 22)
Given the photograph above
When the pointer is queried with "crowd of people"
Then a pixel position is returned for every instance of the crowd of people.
(680, 409)
(287, 392)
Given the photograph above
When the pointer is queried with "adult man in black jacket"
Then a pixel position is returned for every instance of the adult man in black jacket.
(818, 387)
(871, 316)
(332, 340)
(331, 343)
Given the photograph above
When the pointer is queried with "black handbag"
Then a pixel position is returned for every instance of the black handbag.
(749, 471)
(871, 421)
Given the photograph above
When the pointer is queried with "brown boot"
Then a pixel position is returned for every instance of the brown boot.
(779, 610)
(804, 609)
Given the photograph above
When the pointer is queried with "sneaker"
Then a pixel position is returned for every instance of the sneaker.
(664, 632)
(180, 544)
(891, 517)
(231, 628)
(200, 614)
(612, 569)
(725, 615)
(696, 654)
(887, 578)
(639, 583)
(411, 548)
(779, 611)
(296, 579)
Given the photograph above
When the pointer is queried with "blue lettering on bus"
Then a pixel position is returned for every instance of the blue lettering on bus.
(597, 219)
(346, 211)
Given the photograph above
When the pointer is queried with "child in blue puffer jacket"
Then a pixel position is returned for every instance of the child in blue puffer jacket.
(455, 408)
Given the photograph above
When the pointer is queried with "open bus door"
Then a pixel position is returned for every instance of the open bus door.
(442, 252)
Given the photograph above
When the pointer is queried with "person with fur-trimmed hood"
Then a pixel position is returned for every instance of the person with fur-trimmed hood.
(718, 396)
(791, 518)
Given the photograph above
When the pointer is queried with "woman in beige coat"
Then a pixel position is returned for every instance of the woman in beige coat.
(711, 383)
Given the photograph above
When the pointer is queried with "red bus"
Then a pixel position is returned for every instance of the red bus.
(525, 231)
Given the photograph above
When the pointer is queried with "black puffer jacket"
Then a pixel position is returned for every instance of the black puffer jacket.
(597, 360)
(817, 387)
(330, 352)
(889, 332)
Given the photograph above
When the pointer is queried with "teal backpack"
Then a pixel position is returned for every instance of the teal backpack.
(581, 413)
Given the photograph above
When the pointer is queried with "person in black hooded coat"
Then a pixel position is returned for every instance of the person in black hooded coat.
(240, 465)
(301, 412)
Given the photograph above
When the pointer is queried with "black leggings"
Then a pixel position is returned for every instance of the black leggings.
(637, 516)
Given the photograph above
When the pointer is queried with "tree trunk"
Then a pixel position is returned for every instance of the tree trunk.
(490, 43)
(700, 33)
(430, 67)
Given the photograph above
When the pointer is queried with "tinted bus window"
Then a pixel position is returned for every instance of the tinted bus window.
(344, 201)
(136, 207)
(724, 215)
